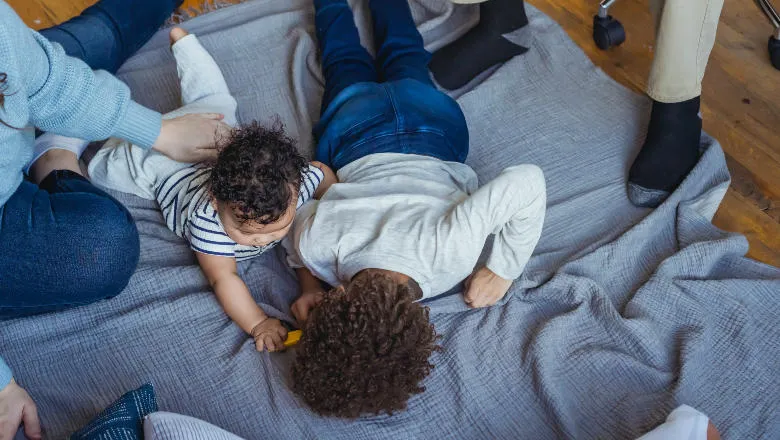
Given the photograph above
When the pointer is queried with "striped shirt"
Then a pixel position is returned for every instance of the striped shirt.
(186, 205)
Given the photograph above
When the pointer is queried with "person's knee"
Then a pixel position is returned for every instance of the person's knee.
(114, 250)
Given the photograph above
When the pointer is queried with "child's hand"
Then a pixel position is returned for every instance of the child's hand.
(269, 335)
(484, 288)
(303, 305)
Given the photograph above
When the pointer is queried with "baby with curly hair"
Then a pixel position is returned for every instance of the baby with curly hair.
(233, 210)
(407, 222)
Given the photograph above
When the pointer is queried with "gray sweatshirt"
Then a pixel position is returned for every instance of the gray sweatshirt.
(419, 216)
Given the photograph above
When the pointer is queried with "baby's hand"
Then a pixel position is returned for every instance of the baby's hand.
(303, 305)
(484, 288)
(269, 335)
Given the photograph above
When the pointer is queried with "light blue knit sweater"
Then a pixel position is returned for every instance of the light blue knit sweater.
(47, 89)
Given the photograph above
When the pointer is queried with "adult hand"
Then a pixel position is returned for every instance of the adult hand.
(484, 288)
(16, 407)
(303, 305)
(191, 138)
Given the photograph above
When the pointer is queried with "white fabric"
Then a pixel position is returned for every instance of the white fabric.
(163, 425)
(684, 423)
(422, 217)
(51, 141)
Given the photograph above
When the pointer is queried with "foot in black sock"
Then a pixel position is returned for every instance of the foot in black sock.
(482, 47)
(669, 153)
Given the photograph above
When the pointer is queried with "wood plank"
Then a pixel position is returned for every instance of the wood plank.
(762, 232)
(40, 14)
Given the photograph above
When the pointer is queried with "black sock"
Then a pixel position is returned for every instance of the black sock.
(669, 153)
(482, 47)
(502, 16)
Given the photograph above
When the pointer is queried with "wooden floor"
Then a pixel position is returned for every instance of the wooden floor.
(741, 98)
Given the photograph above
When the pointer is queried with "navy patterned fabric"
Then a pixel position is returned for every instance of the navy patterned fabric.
(124, 419)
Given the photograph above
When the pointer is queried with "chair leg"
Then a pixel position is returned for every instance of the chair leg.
(774, 40)
(774, 49)
(607, 32)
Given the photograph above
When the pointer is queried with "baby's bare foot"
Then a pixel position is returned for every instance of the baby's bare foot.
(177, 34)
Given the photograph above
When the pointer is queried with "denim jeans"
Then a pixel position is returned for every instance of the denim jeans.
(387, 105)
(65, 243)
(109, 32)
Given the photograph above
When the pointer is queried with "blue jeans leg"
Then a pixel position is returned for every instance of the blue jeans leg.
(344, 60)
(62, 244)
(106, 34)
(400, 50)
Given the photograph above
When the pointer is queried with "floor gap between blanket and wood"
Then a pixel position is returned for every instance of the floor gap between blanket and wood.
(739, 104)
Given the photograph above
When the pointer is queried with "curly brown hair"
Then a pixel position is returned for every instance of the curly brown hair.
(258, 172)
(365, 349)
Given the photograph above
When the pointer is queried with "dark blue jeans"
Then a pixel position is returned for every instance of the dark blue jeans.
(387, 105)
(109, 32)
(65, 243)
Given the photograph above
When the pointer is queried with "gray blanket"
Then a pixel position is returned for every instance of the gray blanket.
(622, 314)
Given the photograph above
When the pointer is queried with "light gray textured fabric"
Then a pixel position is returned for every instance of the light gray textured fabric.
(622, 314)
(169, 426)
(646, 197)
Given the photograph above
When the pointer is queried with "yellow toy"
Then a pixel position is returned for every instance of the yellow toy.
(292, 338)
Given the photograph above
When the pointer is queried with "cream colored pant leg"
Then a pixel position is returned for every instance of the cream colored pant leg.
(685, 35)
(124, 167)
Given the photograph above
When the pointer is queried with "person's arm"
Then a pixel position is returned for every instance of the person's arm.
(329, 178)
(66, 97)
(312, 290)
(511, 206)
(312, 293)
(237, 301)
(307, 281)
(518, 218)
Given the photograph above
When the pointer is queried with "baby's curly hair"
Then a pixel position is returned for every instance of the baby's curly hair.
(256, 172)
(364, 349)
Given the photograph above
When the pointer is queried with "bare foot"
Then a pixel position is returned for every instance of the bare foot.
(177, 34)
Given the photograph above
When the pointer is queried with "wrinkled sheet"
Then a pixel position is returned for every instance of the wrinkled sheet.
(622, 314)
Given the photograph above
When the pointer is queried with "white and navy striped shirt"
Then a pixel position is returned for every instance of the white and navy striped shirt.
(186, 205)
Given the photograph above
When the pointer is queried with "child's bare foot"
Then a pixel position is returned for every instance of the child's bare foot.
(177, 34)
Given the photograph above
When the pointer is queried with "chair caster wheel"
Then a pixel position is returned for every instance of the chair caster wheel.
(608, 32)
(774, 52)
